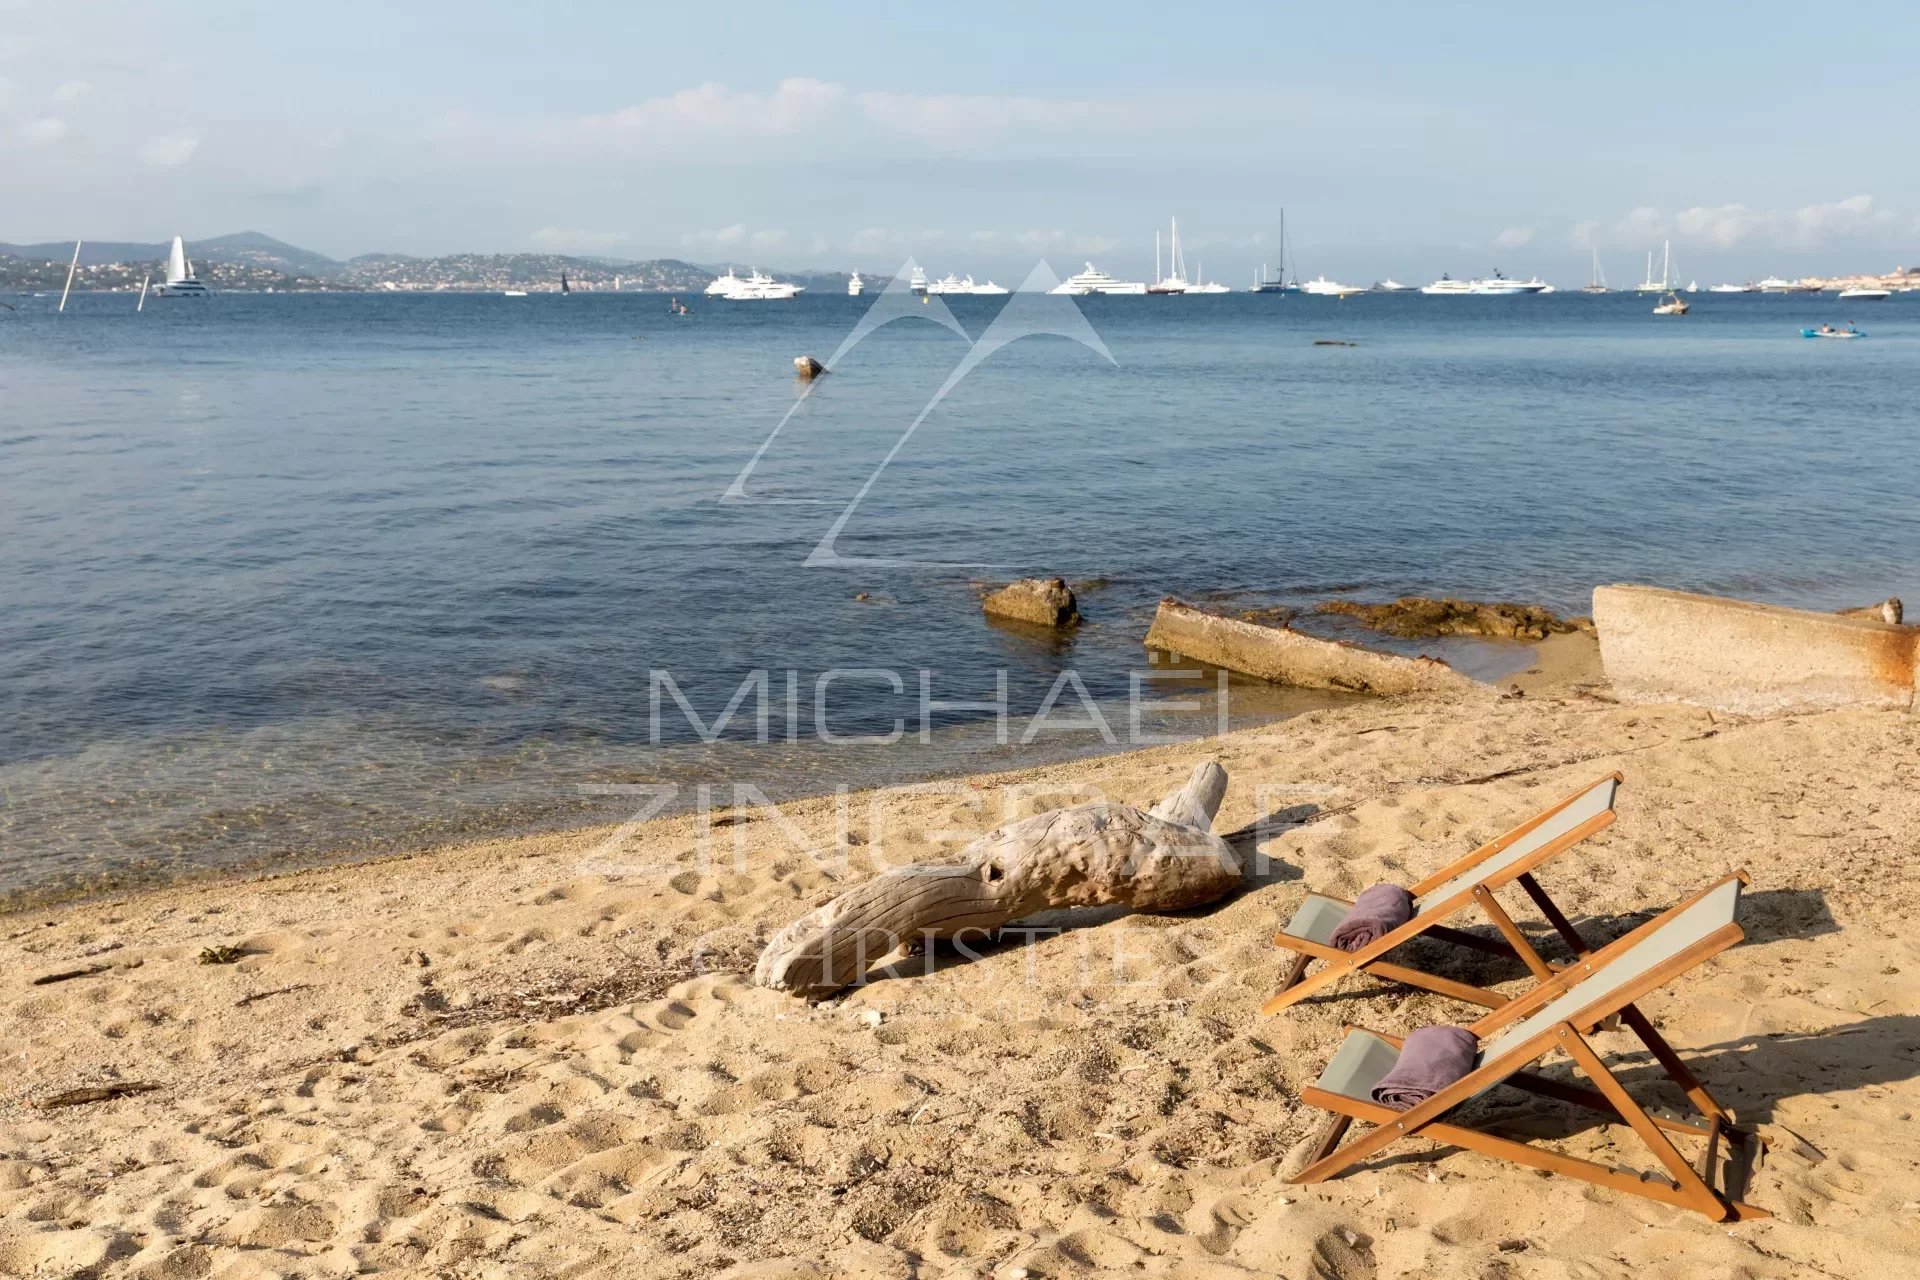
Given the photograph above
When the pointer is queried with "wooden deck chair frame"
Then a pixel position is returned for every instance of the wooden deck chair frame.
(1471, 881)
(1519, 1034)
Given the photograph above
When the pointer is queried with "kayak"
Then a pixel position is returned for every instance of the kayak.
(1831, 333)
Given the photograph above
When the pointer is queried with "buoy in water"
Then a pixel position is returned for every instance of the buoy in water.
(807, 367)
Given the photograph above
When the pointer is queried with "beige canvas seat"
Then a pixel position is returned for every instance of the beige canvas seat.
(1557, 1016)
(1471, 881)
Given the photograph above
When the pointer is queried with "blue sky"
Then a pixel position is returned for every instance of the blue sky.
(1402, 139)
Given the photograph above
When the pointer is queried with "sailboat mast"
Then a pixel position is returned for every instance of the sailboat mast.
(142, 306)
(1157, 277)
(71, 268)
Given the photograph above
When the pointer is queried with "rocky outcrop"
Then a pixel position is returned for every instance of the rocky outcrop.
(808, 368)
(1285, 656)
(1419, 618)
(1038, 602)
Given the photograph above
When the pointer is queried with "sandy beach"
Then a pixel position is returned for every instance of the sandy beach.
(544, 1057)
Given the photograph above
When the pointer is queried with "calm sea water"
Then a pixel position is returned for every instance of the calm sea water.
(284, 575)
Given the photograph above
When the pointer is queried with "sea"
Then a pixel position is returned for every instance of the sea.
(297, 577)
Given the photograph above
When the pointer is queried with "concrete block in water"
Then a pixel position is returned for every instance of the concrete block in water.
(1288, 657)
(1748, 658)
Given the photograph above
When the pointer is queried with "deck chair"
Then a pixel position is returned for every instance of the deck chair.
(1558, 1015)
(1469, 882)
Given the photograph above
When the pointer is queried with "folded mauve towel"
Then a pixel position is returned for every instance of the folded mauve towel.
(1377, 912)
(1430, 1060)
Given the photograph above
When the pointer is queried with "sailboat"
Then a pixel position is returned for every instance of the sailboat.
(1666, 283)
(1261, 284)
(1175, 281)
(564, 286)
(180, 281)
(1599, 282)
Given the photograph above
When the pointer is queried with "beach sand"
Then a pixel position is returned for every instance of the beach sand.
(542, 1057)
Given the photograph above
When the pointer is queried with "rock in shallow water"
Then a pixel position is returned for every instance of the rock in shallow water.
(1042, 602)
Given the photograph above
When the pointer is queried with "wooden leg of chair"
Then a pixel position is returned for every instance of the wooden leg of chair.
(1698, 1193)
(1553, 915)
(1330, 1136)
(1676, 1069)
(1295, 971)
(1511, 932)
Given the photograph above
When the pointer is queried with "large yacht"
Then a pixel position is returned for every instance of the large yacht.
(1325, 288)
(918, 282)
(1446, 286)
(724, 286)
(759, 287)
(854, 287)
(1094, 280)
(181, 282)
(1500, 286)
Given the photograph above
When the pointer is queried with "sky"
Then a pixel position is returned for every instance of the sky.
(1400, 139)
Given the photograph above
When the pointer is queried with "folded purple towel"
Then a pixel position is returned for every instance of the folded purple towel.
(1377, 912)
(1430, 1060)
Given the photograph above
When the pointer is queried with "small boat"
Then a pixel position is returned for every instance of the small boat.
(1390, 285)
(513, 293)
(1748, 287)
(854, 286)
(1828, 331)
(1325, 288)
(1671, 305)
(1865, 294)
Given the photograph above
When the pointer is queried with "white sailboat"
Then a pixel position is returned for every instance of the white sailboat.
(1200, 283)
(75, 266)
(1666, 283)
(1599, 282)
(180, 281)
(1175, 281)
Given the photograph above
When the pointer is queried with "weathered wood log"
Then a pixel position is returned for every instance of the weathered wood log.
(1165, 859)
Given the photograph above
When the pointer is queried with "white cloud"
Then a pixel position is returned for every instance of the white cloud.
(43, 132)
(1513, 238)
(769, 239)
(1039, 241)
(169, 151)
(72, 91)
(1729, 226)
(721, 238)
(871, 240)
(573, 240)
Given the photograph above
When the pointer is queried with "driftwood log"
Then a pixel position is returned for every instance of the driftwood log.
(1163, 859)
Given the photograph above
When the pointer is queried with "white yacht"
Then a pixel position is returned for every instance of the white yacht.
(918, 282)
(1094, 280)
(1748, 287)
(1667, 283)
(854, 287)
(1864, 293)
(950, 283)
(1326, 288)
(760, 287)
(987, 290)
(1447, 287)
(1390, 285)
(1499, 286)
(1200, 284)
(724, 286)
(180, 282)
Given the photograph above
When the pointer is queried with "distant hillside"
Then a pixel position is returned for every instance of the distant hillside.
(249, 259)
(245, 248)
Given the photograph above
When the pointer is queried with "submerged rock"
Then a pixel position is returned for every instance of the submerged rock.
(1418, 617)
(1040, 602)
